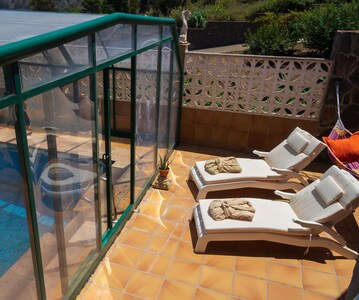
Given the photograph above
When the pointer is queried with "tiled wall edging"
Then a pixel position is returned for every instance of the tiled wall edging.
(239, 132)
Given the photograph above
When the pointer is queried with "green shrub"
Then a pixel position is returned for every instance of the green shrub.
(133, 6)
(277, 36)
(285, 6)
(198, 19)
(177, 15)
(318, 26)
(268, 40)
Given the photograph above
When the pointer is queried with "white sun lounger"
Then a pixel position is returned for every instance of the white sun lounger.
(314, 209)
(273, 171)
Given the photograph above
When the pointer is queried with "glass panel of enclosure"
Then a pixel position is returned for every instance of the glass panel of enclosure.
(113, 41)
(71, 192)
(146, 115)
(121, 146)
(147, 35)
(175, 105)
(165, 94)
(6, 81)
(2, 83)
(61, 148)
(121, 107)
(102, 150)
(17, 280)
(166, 32)
(54, 63)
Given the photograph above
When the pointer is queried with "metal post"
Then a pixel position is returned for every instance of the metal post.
(133, 115)
(107, 158)
(170, 94)
(57, 204)
(95, 143)
(28, 191)
(158, 93)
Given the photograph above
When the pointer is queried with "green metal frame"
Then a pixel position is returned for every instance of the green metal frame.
(11, 54)
(28, 191)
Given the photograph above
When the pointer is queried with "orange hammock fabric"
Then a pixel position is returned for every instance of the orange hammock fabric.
(343, 146)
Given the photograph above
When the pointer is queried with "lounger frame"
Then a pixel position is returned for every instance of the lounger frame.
(204, 237)
(280, 183)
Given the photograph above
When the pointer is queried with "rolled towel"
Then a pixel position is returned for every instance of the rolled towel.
(222, 165)
(237, 209)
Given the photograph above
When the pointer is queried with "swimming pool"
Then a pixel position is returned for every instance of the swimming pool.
(14, 233)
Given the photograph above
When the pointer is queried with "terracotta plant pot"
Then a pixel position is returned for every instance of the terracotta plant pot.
(164, 173)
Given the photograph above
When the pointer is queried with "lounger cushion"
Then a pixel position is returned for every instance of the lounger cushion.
(297, 141)
(329, 190)
(252, 169)
(270, 216)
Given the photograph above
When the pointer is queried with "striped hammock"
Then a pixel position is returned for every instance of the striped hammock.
(340, 132)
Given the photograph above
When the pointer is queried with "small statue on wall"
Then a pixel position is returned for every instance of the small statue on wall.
(183, 35)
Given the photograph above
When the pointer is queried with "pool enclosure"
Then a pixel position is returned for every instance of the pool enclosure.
(87, 102)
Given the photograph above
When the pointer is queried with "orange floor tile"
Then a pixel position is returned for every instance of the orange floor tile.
(153, 257)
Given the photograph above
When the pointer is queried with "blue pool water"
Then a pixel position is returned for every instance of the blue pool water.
(14, 235)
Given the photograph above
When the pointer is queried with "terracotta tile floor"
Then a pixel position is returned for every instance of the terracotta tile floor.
(153, 258)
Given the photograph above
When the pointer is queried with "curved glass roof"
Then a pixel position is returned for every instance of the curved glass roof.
(19, 25)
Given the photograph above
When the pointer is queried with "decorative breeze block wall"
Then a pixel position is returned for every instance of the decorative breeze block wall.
(262, 85)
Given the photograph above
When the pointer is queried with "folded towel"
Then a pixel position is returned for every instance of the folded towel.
(222, 165)
(238, 209)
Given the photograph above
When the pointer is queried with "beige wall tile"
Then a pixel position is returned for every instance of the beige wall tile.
(257, 141)
(219, 136)
(204, 117)
(222, 119)
(241, 122)
(187, 133)
(202, 134)
(237, 139)
(188, 116)
(274, 140)
(260, 124)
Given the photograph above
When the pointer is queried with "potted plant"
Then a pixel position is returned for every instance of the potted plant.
(164, 164)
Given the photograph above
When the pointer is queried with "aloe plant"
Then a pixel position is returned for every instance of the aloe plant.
(164, 161)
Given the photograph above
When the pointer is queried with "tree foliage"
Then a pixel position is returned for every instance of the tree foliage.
(277, 37)
(91, 6)
(133, 6)
(314, 28)
(318, 26)
(42, 5)
(163, 7)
